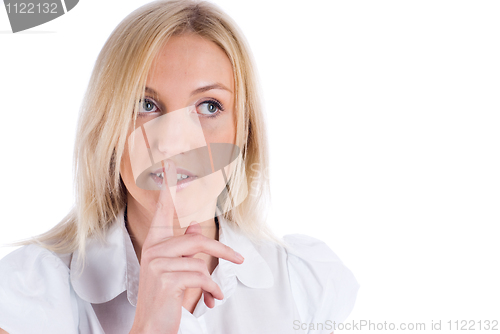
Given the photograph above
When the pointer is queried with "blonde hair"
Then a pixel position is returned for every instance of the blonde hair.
(115, 89)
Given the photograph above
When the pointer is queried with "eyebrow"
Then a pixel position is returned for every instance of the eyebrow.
(210, 87)
(196, 91)
(151, 91)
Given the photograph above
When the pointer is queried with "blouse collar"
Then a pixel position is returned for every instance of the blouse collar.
(113, 267)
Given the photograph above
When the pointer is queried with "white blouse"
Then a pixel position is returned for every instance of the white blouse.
(272, 291)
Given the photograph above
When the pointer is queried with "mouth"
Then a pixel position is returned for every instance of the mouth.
(184, 177)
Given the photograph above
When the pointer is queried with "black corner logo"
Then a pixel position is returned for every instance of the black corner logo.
(31, 13)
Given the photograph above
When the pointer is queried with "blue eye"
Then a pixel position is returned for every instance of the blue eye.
(148, 106)
(210, 108)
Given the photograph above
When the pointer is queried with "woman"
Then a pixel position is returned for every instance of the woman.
(170, 136)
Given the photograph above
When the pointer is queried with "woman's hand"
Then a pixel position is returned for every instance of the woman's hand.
(168, 267)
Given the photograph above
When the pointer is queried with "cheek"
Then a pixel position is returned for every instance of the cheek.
(125, 164)
(144, 197)
(220, 130)
(125, 169)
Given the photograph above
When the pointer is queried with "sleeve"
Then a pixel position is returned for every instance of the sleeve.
(324, 289)
(35, 293)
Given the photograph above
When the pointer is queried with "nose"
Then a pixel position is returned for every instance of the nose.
(175, 133)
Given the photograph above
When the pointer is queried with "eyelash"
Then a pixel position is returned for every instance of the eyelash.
(210, 100)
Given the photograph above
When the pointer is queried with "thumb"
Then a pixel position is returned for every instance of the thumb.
(193, 228)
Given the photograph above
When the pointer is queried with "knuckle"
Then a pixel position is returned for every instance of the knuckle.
(199, 275)
(147, 255)
(197, 237)
(228, 250)
(199, 262)
(155, 265)
(167, 280)
(201, 266)
(196, 241)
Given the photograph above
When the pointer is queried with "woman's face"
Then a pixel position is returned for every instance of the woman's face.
(189, 103)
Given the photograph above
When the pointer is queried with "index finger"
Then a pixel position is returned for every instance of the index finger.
(162, 224)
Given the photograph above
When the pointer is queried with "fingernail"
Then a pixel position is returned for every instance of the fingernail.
(239, 256)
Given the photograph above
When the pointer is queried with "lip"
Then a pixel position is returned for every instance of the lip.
(180, 184)
(178, 170)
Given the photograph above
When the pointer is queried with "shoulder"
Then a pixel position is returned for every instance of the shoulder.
(35, 292)
(25, 257)
(322, 286)
(30, 266)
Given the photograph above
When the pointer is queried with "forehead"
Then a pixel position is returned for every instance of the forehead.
(188, 61)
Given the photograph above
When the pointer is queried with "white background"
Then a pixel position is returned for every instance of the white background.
(383, 119)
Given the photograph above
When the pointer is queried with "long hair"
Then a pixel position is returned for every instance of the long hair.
(111, 103)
